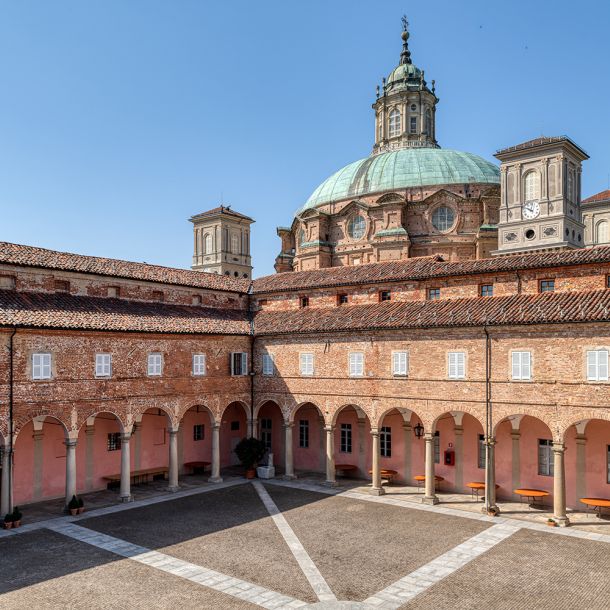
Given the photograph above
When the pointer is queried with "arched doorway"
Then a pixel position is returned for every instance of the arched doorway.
(270, 423)
(233, 427)
(195, 439)
(309, 439)
(352, 440)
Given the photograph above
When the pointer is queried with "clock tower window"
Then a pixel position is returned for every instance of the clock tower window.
(532, 186)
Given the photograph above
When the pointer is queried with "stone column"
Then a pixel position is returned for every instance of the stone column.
(125, 469)
(559, 485)
(215, 478)
(376, 489)
(70, 444)
(322, 452)
(459, 458)
(89, 456)
(289, 474)
(137, 437)
(180, 449)
(173, 460)
(37, 475)
(5, 498)
(515, 435)
(490, 476)
(330, 456)
(430, 483)
(361, 447)
(581, 466)
(407, 440)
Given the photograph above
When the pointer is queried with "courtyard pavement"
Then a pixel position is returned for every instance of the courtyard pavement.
(280, 544)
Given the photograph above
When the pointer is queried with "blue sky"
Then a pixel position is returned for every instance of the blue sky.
(119, 119)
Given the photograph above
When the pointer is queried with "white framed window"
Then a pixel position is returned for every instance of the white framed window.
(239, 364)
(400, 363)
(385, 441)
(545, 457)
(267, 432)
(521, 365)
(437, 447)
(198, 365)
(155, 364)
(481, 447)
(103, 365)
(356, 364)
(457, 365)
(304, 434)
(532, 186)
(346, 438)
(413, 125)
(394, 124)
(597, 365)
(268, 364)
(306, 364)
(41, 366)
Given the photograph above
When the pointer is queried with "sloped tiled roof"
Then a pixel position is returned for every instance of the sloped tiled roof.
(30, 256)
(65, 311)
(423, 268)
(545, 308)
(603, 196)
(225, 210)
(541, 141)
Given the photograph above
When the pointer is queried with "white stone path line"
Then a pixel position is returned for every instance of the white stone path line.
(228, 585)
(316, 580)
(416, 582)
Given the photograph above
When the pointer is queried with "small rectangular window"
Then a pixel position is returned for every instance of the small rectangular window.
(103, 365)
(235, 426)
(304, 301)
(62, 286)
(114, 292)
(481, 451)
(597, 365)
(113, 442)
(239, 364)
(266, 432)
(437, 447)
(342, 299)
(198, 432)
(413, 125)
(521, 365)
(356, 364)
(7, 282)
(268, 364)
(545, 457)
(385, 295)
(304, 433)
(199, 365)
(155, 364)
(434, 294)
(486, 290)
(385, 441)
(346, 438)
(547, 286)
(400, 363)
(196, 300)
(457, 365)
(41, 366)
(306, 364)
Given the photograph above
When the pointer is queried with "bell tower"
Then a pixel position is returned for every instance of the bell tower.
(405, 109)
(540, 196)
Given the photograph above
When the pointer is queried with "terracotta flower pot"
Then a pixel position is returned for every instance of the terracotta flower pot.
(250, 473)
(17, 523)
(8, 525)
(81, 510)
(74, 511)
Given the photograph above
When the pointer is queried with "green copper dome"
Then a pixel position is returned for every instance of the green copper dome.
(403, 169)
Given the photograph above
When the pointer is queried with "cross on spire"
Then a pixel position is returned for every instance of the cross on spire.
(405, 55)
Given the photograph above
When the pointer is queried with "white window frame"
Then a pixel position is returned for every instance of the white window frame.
(521, 365)
(400, 364)
(456, 365)
(481, 451)
(199, 365)
(394, 123)
(304, 434)
(345, 438)
(154, 364)
(306, 363)
(268, 364)
(597, 365)
(103, 365)
(42, 365)
(242, 369)
(385, 441)
(355, 364)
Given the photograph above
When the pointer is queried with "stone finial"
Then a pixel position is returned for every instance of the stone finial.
(405, 55)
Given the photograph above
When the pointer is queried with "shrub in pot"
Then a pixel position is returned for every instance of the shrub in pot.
(73, 506)
(17, 514)
(81, 505)
(8, 521)
(250, 452)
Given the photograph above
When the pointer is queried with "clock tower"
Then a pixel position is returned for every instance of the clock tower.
(540, 196)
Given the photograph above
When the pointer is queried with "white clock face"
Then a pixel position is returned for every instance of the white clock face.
(531, 209)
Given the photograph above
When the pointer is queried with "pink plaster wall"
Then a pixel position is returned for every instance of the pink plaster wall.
(349, 416)
(228, 437)
(192, 450)
(395, 422)
(154, 442)
(307, 458)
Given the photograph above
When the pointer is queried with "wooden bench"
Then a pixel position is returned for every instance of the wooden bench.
(345, 468)
(387, 473)
(420, 479)
(197, 467)
(597, 504)
(137, 476)
(532, 494)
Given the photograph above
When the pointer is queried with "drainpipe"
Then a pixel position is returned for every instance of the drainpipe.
(10, 421)
(251, 315)
(490, 479)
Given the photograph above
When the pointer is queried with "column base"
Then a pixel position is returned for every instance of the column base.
(492, 509)
(173, 488)
(215, 480)
(430, 500)
(562, 521)
(377, 491)
(330, 483)
(289, 477)
(128, 498)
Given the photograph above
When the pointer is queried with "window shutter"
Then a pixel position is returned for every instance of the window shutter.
(452, 365)
(461, 365)
(592, 366)
(36, 373)
(526, 365)
(516, 356)
(244, 363)
(602, 365)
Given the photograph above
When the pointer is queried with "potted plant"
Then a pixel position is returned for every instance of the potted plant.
(81, 506)
(551, 522)
(73, 506)
(17, 517)
(8, 521)
(250, 452)
(492, 511)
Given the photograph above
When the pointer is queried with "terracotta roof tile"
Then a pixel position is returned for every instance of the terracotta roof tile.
(546, 308)
(424, 268)
(30, 256)
(603, 196)
(224, 210)
(62, 310)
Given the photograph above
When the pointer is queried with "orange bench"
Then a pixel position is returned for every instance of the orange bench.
(421, 479)
(598, 504)
(387, 473)
(345, 468)
(534, 494)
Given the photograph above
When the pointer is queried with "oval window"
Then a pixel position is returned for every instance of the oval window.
(443, 219)
(356, 227)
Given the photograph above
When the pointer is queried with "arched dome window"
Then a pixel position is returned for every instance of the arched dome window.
(394, 123)
(443, 219)
(601, 232)
(207, 243)
(532, 186)
(356, 227)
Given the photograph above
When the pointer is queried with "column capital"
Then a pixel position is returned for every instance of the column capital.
(38, 435)
(458, 430)
(289, 424)
(173, 431)
(89, 430)
(581, 439)
(559, 447)
(125, 436)
(329, 428)
(515, 435)
(490, 440)
(70, 442)
(407, 427)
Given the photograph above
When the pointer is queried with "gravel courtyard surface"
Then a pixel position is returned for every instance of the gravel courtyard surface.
(528, 571)
(361, 547)
(45, 570)
(228, 530)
